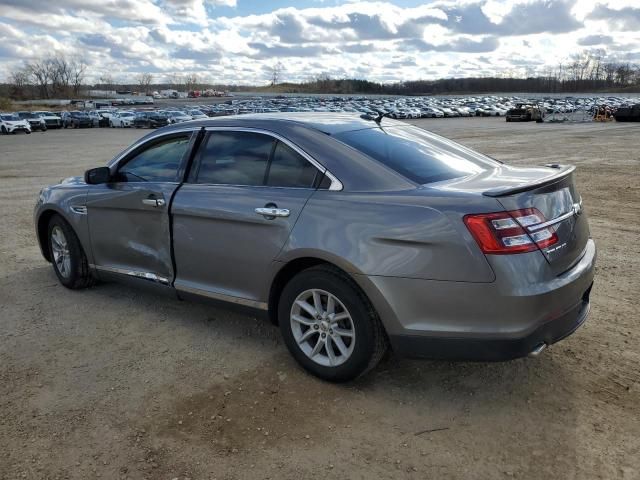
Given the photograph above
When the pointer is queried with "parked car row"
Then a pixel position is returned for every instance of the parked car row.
(28, 121)
(512, 107)
(403, 107)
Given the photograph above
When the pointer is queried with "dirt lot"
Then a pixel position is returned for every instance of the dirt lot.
(116, 383)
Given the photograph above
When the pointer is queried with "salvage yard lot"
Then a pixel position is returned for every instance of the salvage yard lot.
(117, 383)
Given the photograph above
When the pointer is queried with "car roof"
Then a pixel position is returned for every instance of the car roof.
(330, 123)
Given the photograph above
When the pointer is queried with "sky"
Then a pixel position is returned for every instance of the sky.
(239, 41)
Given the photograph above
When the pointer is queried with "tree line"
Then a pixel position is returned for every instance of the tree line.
(59, 77)
(51, 77)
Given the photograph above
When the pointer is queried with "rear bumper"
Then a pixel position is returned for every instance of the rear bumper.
(492, 349)
(501, 320)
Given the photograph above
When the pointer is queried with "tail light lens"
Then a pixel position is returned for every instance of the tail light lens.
(505, 232)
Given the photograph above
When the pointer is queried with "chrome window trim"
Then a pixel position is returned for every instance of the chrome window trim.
(244, 186)
(336, 185)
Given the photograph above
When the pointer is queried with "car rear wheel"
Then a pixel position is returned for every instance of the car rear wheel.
(68, 258)
(329, 325)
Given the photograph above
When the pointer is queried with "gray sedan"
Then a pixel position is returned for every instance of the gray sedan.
(353, 234)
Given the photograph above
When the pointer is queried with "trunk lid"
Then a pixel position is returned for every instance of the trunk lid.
(551, 190)
(558, 200)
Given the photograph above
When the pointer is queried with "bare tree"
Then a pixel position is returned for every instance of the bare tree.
(41, 71)
(190, 82)
(609, 73)
(144, 80)
(624, 73)
(77, 69)
(275, 73)
(174, 80)
(19, 81)
(60, 75)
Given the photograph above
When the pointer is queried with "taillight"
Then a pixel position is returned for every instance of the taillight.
(505, 232)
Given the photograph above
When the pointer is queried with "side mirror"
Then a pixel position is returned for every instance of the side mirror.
(98, 175)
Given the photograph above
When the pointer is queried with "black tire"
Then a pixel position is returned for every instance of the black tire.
(79, 275)
(370, 338)
(4, 131)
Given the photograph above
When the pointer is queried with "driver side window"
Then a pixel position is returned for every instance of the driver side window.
(158, 163)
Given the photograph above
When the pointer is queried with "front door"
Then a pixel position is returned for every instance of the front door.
(128, 218)
(234, 214)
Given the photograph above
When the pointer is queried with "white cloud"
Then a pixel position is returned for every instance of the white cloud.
(377, 40)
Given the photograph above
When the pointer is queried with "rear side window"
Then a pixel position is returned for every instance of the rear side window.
(158, 163)
(253, 159)
(420, 156)
(234, 158)
(290, 169)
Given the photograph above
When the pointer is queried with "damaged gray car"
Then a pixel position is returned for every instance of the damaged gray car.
(353, 234)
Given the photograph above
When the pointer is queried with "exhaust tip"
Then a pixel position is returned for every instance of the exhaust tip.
(538, 350)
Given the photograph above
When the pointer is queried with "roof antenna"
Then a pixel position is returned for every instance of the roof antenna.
(369, 116)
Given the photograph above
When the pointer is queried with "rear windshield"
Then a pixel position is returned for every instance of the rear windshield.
(420, 156)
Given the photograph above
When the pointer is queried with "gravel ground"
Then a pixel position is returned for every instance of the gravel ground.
(116, 383)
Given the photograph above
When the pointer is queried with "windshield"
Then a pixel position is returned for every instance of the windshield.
(420, 156)
(9, 118)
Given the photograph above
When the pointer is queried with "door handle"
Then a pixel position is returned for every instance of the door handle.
(153, 202)
(272, 212)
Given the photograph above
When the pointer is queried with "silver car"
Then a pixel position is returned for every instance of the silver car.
(351, 233)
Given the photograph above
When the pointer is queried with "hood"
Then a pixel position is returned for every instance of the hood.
(13, 123)
(72, 181)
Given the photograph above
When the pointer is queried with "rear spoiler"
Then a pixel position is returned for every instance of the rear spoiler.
(561, 171)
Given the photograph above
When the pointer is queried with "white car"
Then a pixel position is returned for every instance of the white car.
(178, 117)
(11, 123)
(106, 113)
(122, 119)
(463, 111)
(432, 112)
(197, 115)
(449, 112)
(51, 120)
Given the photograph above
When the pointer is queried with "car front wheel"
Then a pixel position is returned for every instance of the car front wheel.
(69, 260)
(329, 325)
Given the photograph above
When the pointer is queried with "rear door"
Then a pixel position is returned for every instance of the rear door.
(561, 206)
(128, 218)
(244, 193)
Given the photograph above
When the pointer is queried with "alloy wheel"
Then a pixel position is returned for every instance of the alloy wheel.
(322, 327)
(60, 250)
